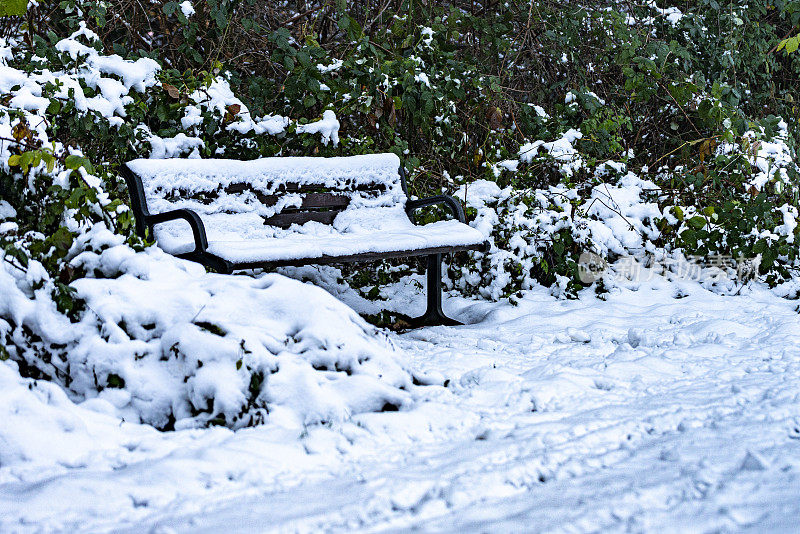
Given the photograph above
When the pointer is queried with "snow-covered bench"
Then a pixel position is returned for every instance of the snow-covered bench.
(231, 215)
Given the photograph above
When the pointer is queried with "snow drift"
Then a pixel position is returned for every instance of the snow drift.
(163, 342)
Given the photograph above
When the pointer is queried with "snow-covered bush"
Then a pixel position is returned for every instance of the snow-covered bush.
(537, 236)
(530, 103)
(738, 208)
(170, 345)
(86, 304)
(608, 127)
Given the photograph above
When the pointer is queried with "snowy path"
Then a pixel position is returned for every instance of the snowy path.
(644, 412)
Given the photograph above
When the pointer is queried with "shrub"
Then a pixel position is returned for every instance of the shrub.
(602, 127)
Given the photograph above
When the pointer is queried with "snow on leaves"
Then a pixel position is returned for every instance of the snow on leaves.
(171, 346)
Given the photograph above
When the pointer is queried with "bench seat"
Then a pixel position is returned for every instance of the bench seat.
(391, 234)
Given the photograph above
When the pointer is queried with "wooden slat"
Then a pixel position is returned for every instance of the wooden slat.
(309, 200)
(285, 220)
(312, 200)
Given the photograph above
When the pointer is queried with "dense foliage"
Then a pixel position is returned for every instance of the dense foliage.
(541, 97)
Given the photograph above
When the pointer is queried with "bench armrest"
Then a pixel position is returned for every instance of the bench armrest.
(198, 228)
(450, 202)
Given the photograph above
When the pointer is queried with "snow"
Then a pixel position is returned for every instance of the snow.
(266, 175)
(540, 111)
(561, 150)
(334, 66)
(7, 211)
(327, 127)
(557, 416)
(672, 14)
(387, 230)
(137, 75)
(186, 8)
(619, 220)
(618, 217)
(173, 147)
(218, 97)
(772, 159)
(234, 223)
(427, 35)
(422, 78)
(163, 342)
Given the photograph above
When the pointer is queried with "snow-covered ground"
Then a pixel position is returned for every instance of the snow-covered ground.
(663, 407)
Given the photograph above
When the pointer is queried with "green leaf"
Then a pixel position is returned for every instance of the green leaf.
(169, 8)
(220, 19)
(62, 239)
(792, 44)
(697, 222)
(13, 8)
(689, 239)
(54, 107)
(74, 162)
(115, 381)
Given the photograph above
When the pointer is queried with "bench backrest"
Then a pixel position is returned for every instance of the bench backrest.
(282, 190)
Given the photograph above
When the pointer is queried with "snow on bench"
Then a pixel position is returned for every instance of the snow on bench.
(232, 215)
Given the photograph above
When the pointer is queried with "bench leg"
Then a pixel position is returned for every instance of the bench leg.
(434, 315)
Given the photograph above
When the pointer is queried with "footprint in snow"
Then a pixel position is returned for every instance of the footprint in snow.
(753, 462)
(578, 336)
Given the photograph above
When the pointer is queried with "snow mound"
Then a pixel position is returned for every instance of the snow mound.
(76, 436)
(160, 341)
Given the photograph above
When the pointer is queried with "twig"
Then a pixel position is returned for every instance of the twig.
(301, 15)
(788, 34)
(11, 262)
(28, 145)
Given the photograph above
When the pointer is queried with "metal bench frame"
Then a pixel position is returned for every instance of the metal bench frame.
(434, 315)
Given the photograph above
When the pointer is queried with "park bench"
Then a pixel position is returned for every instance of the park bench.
(235, 215)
